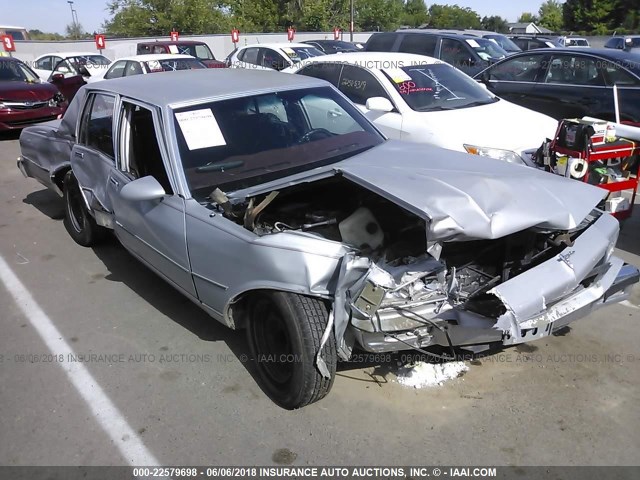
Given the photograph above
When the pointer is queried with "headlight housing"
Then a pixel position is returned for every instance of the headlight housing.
(504, 155)
(57, 100)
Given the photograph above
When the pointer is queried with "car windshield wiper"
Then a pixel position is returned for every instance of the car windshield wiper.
(435, 108)
(220, 166)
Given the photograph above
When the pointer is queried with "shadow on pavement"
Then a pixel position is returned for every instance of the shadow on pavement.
(46, 202)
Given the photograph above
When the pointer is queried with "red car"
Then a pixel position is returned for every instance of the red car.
(200, 50)
(24, 98)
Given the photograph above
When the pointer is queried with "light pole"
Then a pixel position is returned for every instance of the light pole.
(351, 23)
(74, 18)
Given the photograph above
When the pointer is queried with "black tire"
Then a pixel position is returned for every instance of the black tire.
(77, 220)
(284, 332)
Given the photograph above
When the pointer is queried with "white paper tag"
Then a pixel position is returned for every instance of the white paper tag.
(473, 43)
(200, 129)
(398, 75)
(173, 48)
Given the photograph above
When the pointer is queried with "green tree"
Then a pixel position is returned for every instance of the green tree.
(414, 13)
(75, 31)
(158, 17)
(453, 16)
(596, 16)
(40, 35)
(551, 15)
(377, 15)
(527, 17)
(495, 23)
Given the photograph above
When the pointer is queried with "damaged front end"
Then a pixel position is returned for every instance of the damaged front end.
(411, 280)
(509, 291)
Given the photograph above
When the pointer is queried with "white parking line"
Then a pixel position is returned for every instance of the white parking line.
(104, 411)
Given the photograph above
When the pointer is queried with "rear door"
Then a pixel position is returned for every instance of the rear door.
(93, 157)
(572, 86)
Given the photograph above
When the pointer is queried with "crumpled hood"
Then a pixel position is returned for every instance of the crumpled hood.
(467, 197)
(502, 125)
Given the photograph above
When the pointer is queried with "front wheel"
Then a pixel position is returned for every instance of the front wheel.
(284, 332)
(79, 223)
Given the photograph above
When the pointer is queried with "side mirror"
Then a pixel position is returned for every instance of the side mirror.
(57, 77)
(143, 189)
(379, 104)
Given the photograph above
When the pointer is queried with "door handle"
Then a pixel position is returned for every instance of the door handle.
(334, 113)
(114, 181)
(79, 154)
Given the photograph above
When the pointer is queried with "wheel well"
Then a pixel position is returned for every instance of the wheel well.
(238, 308)
(58, 177)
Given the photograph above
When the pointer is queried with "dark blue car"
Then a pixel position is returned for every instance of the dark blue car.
(569, 82)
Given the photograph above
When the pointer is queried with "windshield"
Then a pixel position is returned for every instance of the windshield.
(505, 43)
(200, 51)
(17, 72)
(339, 46)
(88, 60)
(237, 143)
(487, 49)
(172, 65)
(297, 54)
(436, 87)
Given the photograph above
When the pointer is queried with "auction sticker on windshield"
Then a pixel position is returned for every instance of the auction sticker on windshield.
(200, 129)
(473, 43)
(398, 75)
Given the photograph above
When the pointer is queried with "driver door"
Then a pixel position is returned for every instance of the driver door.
(152, 229)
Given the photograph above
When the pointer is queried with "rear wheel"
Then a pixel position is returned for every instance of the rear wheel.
(77, 220)
(284, 332)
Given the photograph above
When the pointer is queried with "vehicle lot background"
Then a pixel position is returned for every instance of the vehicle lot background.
(220, 45)
(568, 399)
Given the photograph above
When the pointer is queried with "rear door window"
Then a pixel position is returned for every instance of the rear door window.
(96, 126)
(359, 85)
(325, 71)
(574, 70)
(455, 53)
(419, 44)
(116, 71)
(381, 42)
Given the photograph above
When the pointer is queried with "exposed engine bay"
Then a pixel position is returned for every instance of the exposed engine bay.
(395, 241)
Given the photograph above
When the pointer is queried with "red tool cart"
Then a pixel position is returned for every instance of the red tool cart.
(589, 151)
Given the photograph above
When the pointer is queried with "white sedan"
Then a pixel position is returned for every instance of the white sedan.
(421, 99)
(69, 64)
(144, 64)
(272, 56)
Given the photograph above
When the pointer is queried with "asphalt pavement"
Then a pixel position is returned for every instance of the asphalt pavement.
(145, 375)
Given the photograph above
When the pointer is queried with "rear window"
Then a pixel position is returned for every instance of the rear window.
(380, 42)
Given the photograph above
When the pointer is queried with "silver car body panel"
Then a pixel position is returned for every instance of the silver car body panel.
(215, 261)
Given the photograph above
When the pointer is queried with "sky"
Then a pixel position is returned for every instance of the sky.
(55, 15)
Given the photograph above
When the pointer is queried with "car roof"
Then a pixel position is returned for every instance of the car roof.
(277, 45)
(631, 62)
(441, 32)
(192, 86)
(154, 56)
(70, 54)
(393, 59)
(171, 42)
